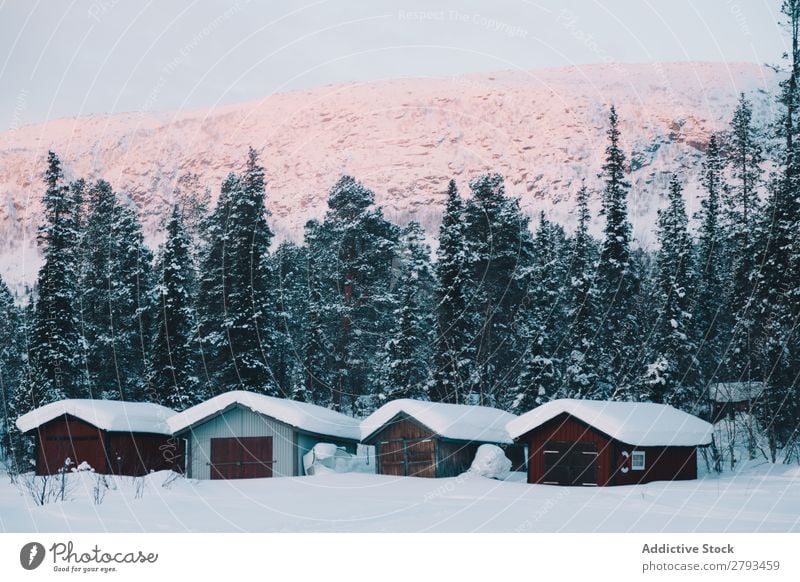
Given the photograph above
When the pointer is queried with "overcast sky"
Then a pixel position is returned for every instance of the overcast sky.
(63, 58)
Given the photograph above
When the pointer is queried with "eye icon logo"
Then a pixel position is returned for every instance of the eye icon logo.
(31, 555)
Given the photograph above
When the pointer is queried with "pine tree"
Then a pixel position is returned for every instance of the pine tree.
(672, 369)
(289, 280)
(580, 375)
(779, 287)
(498, 260)
(452, 347)
(174, 366)
(352, 252)
(54, 356)
(542, 321)
(406, 359)
(131, 299)
(403, 372)
(211, 290)
(712, 321)
(538, 376)
(116, 284)
(742, 212)
(236, 303)
(317, 349)
(12, 335)
(615, 282)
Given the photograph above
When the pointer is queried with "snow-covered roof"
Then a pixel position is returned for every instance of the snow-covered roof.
(111, 415)
(452, 421)
(301, 415)
(634, 423)
(735, 391)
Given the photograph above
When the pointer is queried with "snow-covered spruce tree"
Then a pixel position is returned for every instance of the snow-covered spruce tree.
(96, 250)
(352, 252)
(116, 288)
(779, 342)
(289, 281)
(54, 356)
(614, 280)
(579, 370)
(12, 359)
(542, 323)
(539, 375)
(211, 287)
(317, 349)
(174, 370)
(498, 260)
(131, 299)
(453, 350)
(711, 317)
(672, 374)
(403, 371)
(742, 211)
(236, 304)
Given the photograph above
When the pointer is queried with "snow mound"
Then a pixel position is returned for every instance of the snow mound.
(301, 415)
(452, 421)
(490, 461)
(111, 415)
(643, 424)
(326, 458)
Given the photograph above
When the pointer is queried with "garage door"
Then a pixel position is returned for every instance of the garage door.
(408, 457)
(58, 448)
(570, 463)
(241, 458)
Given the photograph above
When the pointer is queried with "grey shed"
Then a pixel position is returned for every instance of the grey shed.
(240, 435)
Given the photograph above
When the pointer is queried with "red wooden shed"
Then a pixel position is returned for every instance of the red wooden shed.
(582, 442)
(113, 437)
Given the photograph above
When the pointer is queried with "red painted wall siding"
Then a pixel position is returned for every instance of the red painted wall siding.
(117, 453)
(140, 453)
(565, 428)
(661, 464)
(70, 437)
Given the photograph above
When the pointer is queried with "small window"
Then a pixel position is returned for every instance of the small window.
(637, 461)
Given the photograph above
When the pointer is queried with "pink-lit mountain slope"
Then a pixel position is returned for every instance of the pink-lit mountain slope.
(405, 138)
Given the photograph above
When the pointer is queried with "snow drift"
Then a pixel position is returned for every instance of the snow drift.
(490, 461)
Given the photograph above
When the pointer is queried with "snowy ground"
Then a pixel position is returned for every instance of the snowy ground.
(761, 498)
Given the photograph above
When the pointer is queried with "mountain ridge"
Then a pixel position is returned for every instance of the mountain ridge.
(544, 130)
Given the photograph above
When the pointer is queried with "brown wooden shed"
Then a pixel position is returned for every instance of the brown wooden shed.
(581, 442)
(113, 437)
(433, 439)
(728, 398)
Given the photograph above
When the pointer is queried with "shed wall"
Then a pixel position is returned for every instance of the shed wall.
(661, 464)
(140, 453)
(240, 422)
(68, 436)
(565, 428)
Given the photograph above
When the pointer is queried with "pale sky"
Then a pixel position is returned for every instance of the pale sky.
(62, 58)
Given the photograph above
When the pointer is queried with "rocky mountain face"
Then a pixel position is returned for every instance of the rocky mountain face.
(404, 138)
